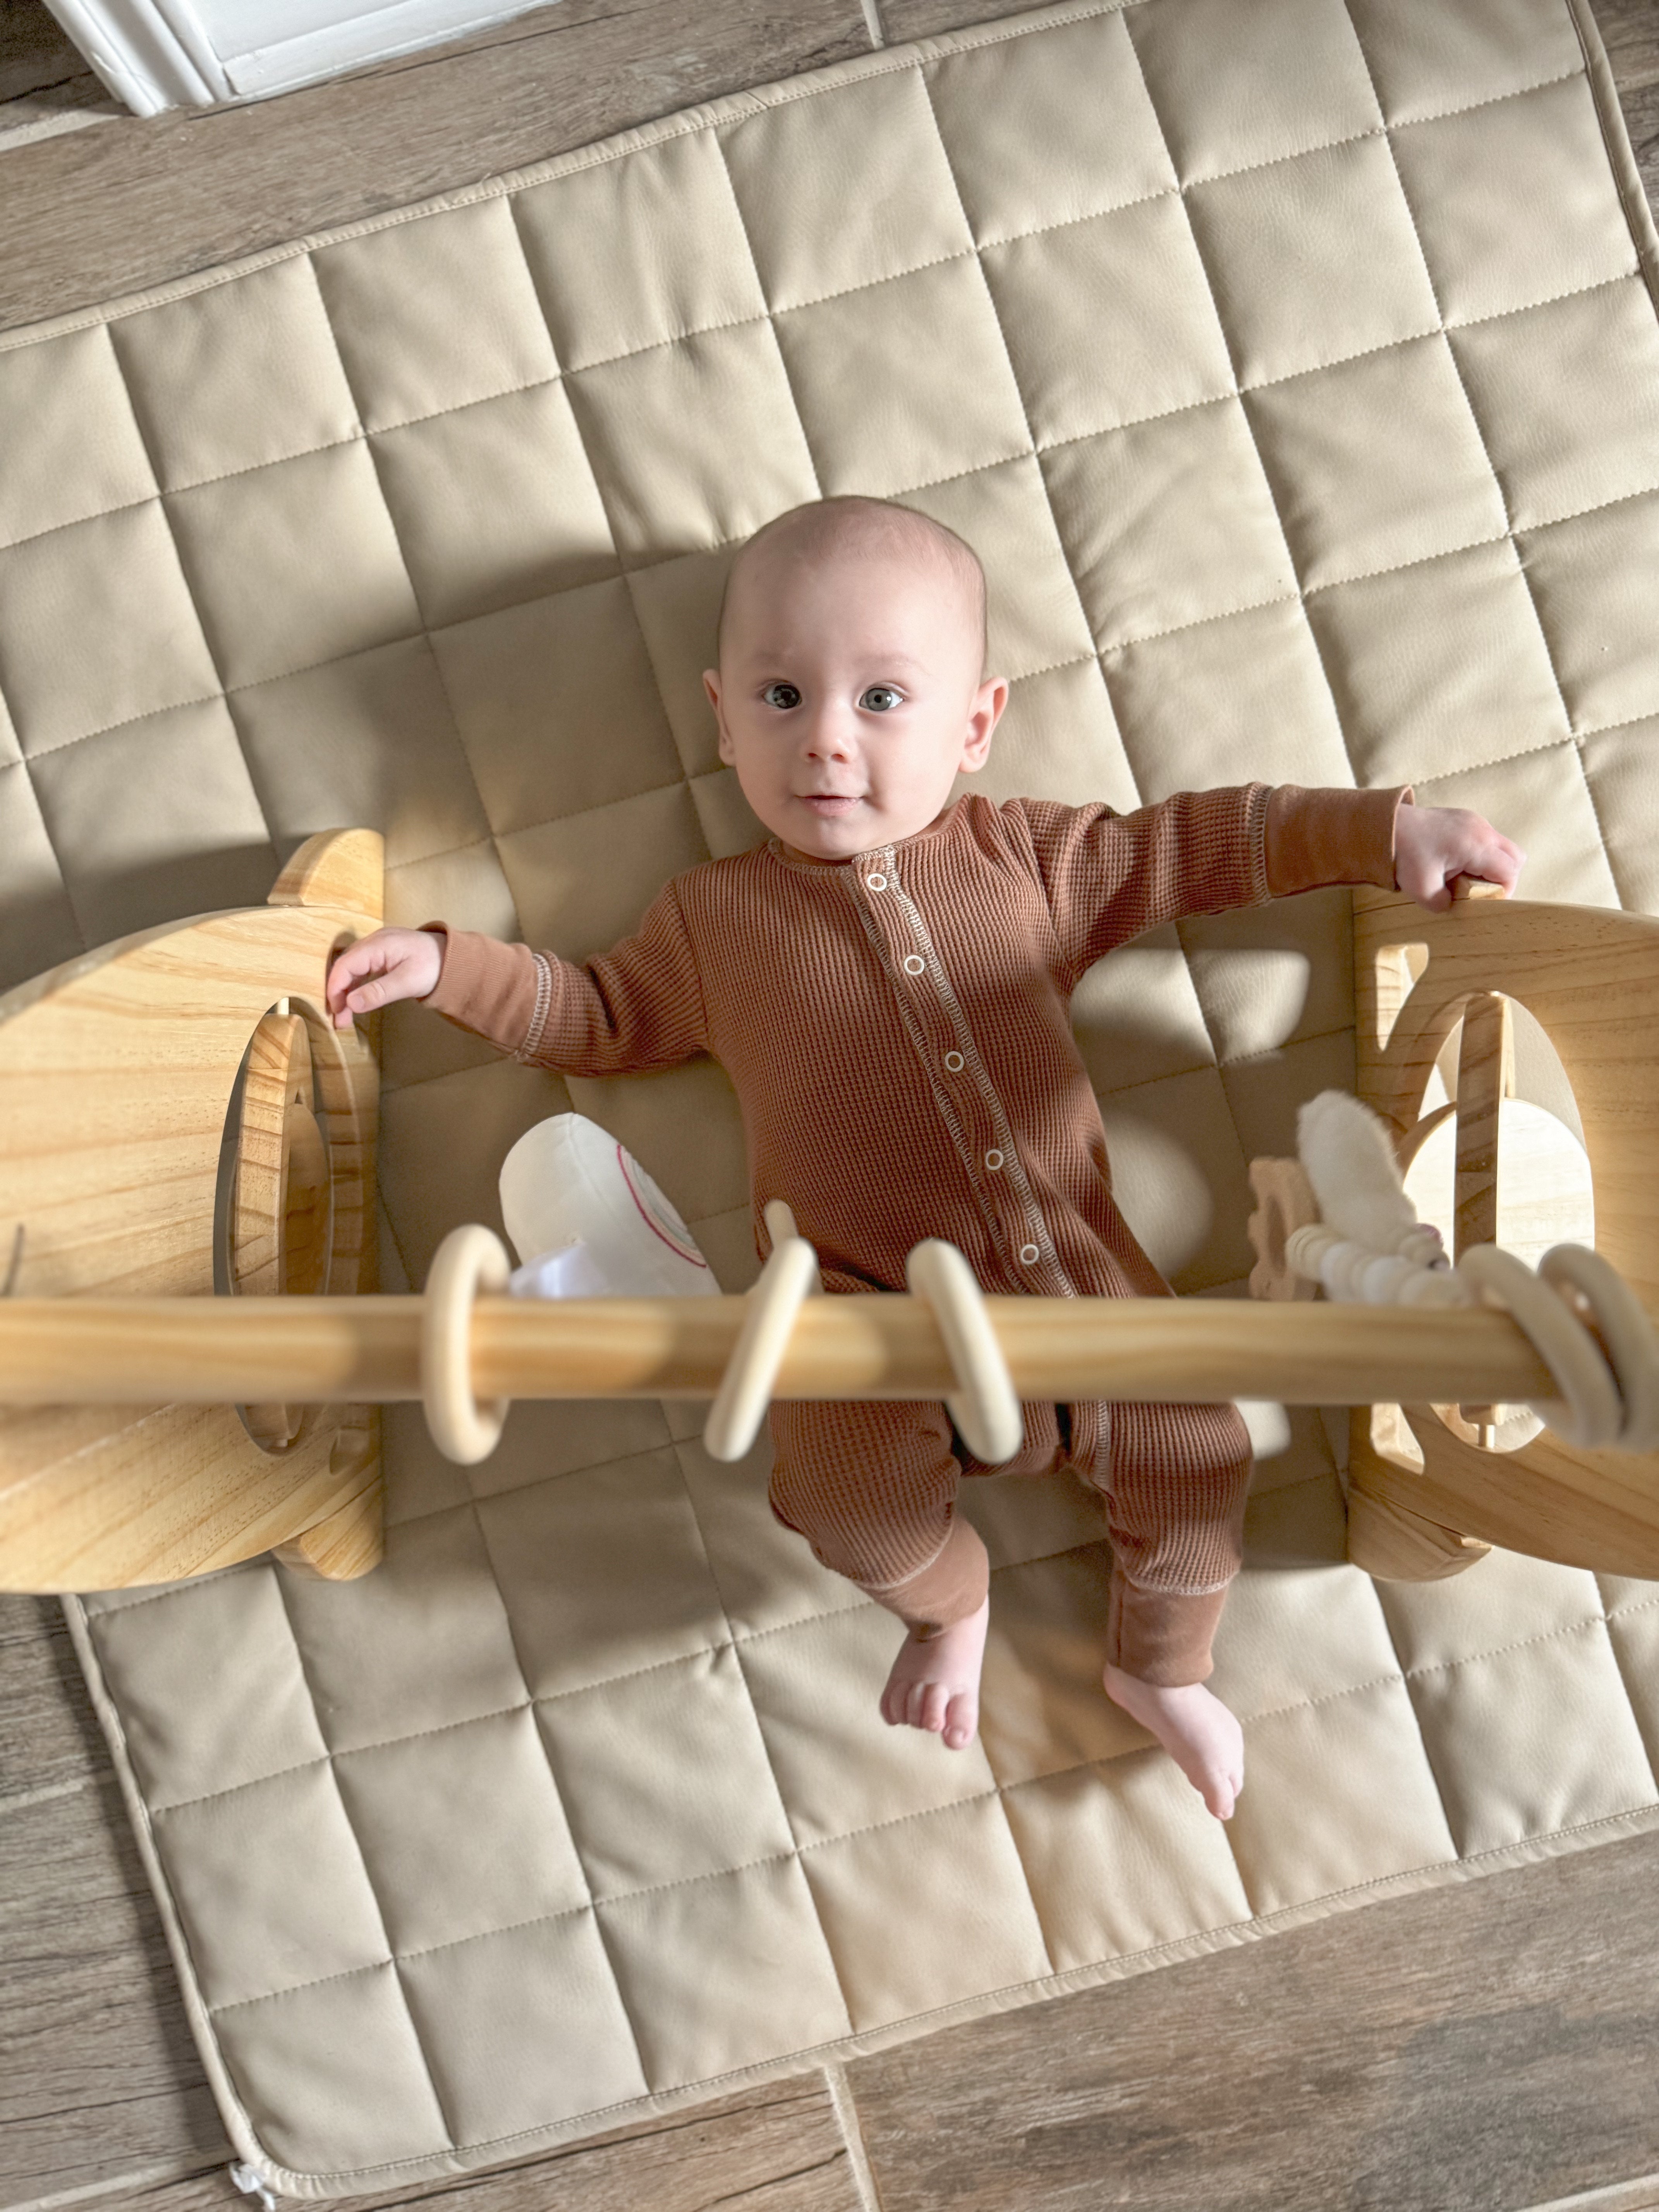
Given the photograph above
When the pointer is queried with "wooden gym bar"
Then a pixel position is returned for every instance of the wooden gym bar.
(201, 1352)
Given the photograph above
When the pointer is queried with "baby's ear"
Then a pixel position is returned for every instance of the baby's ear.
(986, 712)
(711, 685)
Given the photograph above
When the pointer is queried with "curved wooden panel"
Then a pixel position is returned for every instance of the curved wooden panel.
(1590, 976)
(116, 1073)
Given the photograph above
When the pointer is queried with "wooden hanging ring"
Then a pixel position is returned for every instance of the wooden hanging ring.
(786, 1281)
(469, 1260)
(1590, 1412)
(983, 1406)
(1628, 1336)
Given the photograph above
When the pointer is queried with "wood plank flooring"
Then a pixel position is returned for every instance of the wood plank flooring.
(92, 214)
(1487, 2048)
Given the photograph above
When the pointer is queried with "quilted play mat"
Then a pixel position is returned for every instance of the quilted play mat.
(1295, 367)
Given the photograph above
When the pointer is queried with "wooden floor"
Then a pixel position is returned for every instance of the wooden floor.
(1488, 2048)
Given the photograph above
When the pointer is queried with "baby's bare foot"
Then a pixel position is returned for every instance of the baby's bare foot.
(1196, 1729)
(934, 1684)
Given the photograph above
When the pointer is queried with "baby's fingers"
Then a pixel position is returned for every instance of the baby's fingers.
(354, 975)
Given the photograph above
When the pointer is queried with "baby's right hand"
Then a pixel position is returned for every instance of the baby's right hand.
(391, 964)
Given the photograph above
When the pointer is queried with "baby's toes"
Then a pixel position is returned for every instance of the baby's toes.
(961, 1719)
(933, 1707)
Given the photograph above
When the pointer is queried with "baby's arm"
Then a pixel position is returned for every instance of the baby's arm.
(639, 1005)
(1109, 877)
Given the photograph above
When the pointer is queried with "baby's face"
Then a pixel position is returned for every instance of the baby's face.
(850, 696)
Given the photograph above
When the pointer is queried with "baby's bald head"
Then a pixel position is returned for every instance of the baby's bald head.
(826, 531)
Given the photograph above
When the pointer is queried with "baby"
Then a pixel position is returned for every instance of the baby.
(886, 983)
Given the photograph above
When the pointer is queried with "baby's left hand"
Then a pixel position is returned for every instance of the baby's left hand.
(1432, 844)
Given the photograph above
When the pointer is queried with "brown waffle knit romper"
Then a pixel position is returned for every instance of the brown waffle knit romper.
(896, 1029)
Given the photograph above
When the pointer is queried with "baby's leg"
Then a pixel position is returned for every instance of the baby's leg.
(1175, 1504)
(873, 1489)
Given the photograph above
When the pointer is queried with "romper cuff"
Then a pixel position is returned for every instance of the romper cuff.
(1324, 837)
(484, 986)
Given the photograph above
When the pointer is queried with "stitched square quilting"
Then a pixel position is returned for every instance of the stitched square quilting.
(435, 314)
(462, 1831)
(1043, 151)
(556, 1981)
(1312, 259)
(1466, 175)
(1439, 666)
(1108, 321)
(1168, 523)
(1060, 736)
(369, 739)
(345, 2049)
(1123, 1868)
(190, 830)
(1430, 61)
(1567, 396)
(800, 166)
(574, 1624)
(115, 577)
(83, 452)
(294, 564)
(526, 670)
(639, 250)
(907, 1913)
(717, 1971)
(1609, 672)
(37, 923)
(1246, 686)
(749, 460)
(885, 404)
(1375, 463)
(1234, 86)
(494, 504)
(640, 1753)
(1036, 620)
(190, 364)
(836, 1772)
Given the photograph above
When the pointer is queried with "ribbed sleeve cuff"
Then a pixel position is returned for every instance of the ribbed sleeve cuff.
(954, 1585)
(1316, 837)
(484, 986)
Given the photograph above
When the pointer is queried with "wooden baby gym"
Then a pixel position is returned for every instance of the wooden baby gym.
(193, 1354)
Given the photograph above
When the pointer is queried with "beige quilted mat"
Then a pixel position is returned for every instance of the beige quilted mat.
(1295, 366)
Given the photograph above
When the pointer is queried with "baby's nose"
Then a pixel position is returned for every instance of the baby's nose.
(828, 734)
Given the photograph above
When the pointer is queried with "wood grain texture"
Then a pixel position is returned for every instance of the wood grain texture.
(35, 52)
(1629, 32)
(777, 2148)
(1477, 2049)
(99, 2078)
(49, 1742)
(98, 213)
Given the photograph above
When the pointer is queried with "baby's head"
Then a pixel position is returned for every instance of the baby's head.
(851, 686)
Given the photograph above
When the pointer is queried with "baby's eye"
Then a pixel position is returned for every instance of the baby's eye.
(880, 698)
(782, 696)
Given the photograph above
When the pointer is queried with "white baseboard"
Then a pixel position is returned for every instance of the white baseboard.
(157, 54)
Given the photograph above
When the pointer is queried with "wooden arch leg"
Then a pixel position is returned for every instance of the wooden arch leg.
(351, 1539)
(1389, 1536)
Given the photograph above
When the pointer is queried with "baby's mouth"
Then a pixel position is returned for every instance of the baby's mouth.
(831, 802)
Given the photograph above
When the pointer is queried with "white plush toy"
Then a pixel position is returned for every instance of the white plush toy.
(587, 1222)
